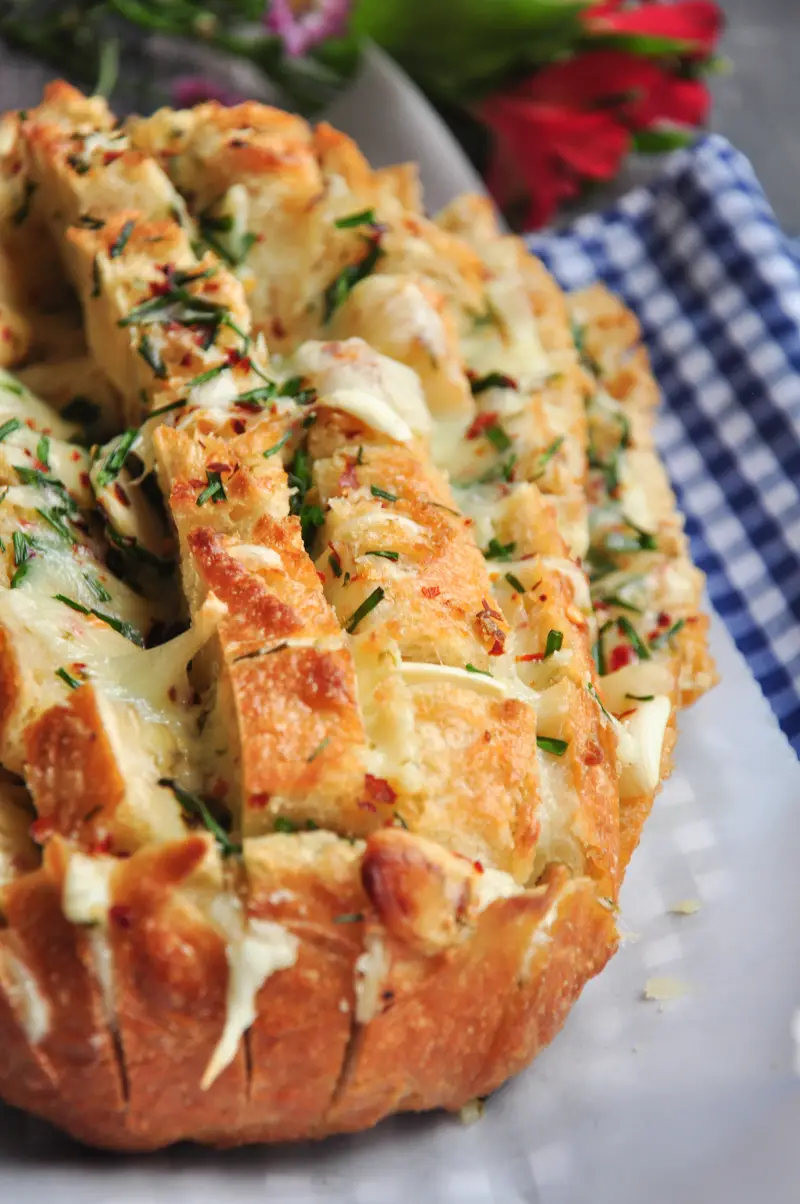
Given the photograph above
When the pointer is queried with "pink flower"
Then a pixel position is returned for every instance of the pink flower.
(301, 24)
(189, 90)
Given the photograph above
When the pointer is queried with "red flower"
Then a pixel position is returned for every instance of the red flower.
(694, 24)
(572, 122)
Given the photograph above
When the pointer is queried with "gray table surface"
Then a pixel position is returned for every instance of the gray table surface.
(756, 106)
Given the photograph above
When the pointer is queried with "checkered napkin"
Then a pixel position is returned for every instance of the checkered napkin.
(715, 283)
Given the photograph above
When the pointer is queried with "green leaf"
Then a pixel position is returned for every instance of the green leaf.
(460, 49)
(659, 142)
(551, 745)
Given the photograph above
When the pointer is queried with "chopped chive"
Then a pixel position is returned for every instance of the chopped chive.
(554, 641)
(515, 583)
(366, 217)
(342, 285)
(598, 650)
(547, 455)
(265, 392)
(20, 214)
(152, 357)
(364, 609)
(33, 476)
(497, 437)
(349, 917)
(43, 451)
(250, 656)
(276, 447)
(282, 824)
(68, 679)
(81, 410)
(376, 491)
(500, 551)
(335, 562)
(97, 588)
(115, 461)
(96, 281)
(209, 375)
(90, 223)
(503, 471)
(629, 631)
(658, 641)
(195, 806)
(8, 428)
(492, 380)
(323, 744)
(214, 490)
(121, 241)
(385, 555)
(119, 625)
(399, 821)
(641, 697)
(473, 669)
(591, 688)
(615, 600)
(56, 520)
(551, 745)
(20, 575)
(173, 405)
(647, 541)
(360, 456)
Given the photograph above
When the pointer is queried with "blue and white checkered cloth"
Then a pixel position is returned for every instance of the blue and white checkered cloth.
(715, 283)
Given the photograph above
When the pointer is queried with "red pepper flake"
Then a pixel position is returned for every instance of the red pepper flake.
(172, 694)
(278, 328)
(218, 466)
(186, 360)
(620, 656)
(625, 714)
(664, 620)
(103, 845)
(349, 477)
(592, 753)
(121, 495)
(195, 484)
(487, 737)
(478, 867)
(430, 591)
(84, 480)
(531, 656)
(481, 423)
(220, 788)
(252, 407)
(259, 801)
(239, 426)
(42, 829)
(379, 789)
(111, 156)
(76, 455)
(120, 915)
(365, 806)
(322, 577)
(235, 357)
(488, 621)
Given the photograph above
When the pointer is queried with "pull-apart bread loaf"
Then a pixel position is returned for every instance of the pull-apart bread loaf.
(320, 769)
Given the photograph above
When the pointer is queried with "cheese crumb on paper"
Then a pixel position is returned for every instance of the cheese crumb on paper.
(660, 990)
(685, 907)
(472, 1112)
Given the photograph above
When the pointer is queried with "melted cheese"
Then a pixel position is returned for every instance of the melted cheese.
(641, 744)
(32, 1009)
(18, 402)
(370, 970)
(511, 344)
(372, 411)
(87, 889)
(492, 885)
(219, 393)
(256, 555)
(254, 954)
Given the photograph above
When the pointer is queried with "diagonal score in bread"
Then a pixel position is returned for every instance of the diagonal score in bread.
(391, 727)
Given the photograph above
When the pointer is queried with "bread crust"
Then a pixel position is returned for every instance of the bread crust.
(356, 848)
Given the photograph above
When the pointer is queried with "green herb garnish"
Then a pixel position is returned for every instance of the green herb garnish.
(492, 380)
(276, 447)
(474, 669)
(641, 697)
(55, 520)
(366, 217)
(615, 600)
(20, 214)
(119, 625)
(515, 583)
(349, 917)
(497, 437)
(8, 428)
(551, 745)
(115, 461)
(282, 824)
(68, 679)
(547, 455)
(376, 491)
(364, 609)
(629, 631)
(343, 284)
(43, 451)
(323, 744)
(214, 490)
(152, 356)
(386, 555)
(121, 241)
(500, 551)
(194, 805)
(658, 641)
(554, 641)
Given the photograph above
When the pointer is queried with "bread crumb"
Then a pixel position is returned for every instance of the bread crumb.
(662, 989)
(685, 907)
(472, 1111)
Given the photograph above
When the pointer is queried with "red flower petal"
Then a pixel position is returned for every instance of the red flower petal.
(695, 23)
